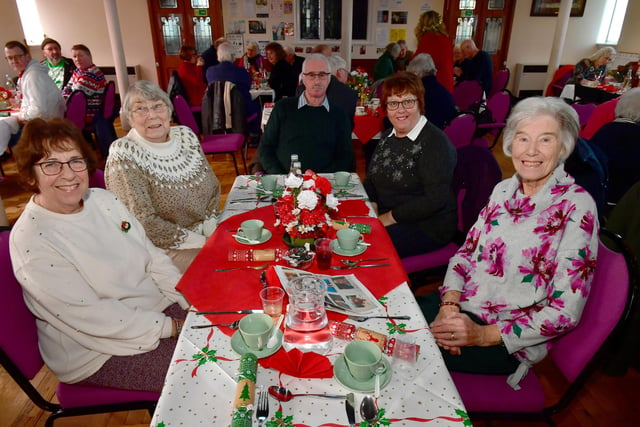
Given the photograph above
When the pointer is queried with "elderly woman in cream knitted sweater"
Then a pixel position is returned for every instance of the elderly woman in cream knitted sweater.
(161, 174)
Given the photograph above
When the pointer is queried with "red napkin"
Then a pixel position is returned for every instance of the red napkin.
(352, 208)
(299, 364)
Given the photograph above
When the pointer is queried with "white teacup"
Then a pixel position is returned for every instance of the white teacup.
(342, 178)
(349, 238)
(360, 110)
(251, 229)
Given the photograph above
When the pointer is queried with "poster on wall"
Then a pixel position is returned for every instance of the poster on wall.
(237, 27)
(289, 29)
(262, 44)
(234, 8)
(278, 31)
(237, 41)
(383, 17)
(288, 7)
(382, 36)
(249, 7)
(257, 27)
(262, 7)
(397, 34)
(399, 18)
(276, 9)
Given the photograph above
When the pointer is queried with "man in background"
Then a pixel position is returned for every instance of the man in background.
(60, 68)
(477, 65)
(294, 60)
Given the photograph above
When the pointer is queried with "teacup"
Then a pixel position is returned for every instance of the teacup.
(269, 182)
(255, 330)
(360, 110)
(342, 178)
(362, 358)
(251, 229)
(349, 238)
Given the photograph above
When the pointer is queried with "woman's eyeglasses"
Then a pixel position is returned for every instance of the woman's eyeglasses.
(145, 111)
(406, 103)
(53, 167)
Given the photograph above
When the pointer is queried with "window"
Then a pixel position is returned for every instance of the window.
(322, 19)
(30, 22)
(612, 20)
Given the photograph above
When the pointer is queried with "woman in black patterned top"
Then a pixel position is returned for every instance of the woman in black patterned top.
(409, 178)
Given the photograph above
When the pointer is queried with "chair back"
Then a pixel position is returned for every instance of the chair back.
(461, 129)
(76, 111)
(584, 112)
(467, 95)
(175, 86)
(19, 339)
(97, 179)
(607, 306)
(109, 111)
(500, 81)
(224, 109)
(559, 80)
(183, 113)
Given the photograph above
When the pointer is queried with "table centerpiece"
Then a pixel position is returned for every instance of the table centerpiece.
(360, 82)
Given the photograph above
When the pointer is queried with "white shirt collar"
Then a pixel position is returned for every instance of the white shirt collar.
(413, 135)
(302, 101)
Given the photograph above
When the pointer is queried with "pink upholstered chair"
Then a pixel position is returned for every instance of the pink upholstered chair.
(97, 179)
(584, 112)
(223, 143)
(574, 354)
(476, 173)
(20, 357)
(498, 107)
(76, 109)
(499, 83)
(461, 130)
(467, 95)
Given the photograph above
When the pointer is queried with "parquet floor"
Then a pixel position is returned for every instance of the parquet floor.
(605, 401)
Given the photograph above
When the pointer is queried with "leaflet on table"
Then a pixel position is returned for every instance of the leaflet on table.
(345, 293)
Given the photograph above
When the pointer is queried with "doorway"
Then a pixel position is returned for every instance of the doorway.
(182, 22)
(486, 22)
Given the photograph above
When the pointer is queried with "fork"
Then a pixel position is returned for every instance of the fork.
(253, 267)
(262, 408)
(233, 325)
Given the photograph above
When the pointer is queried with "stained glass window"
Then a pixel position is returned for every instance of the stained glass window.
(467, 4)
(171, 34)
(202, 33)
(465, 28)
(492, 33)
(200, 4)
(168, 4)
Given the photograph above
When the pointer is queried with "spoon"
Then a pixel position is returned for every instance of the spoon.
(365, 318)
(273, 339)
(379, 369)
(233, 325)
(253, 267)
(352, 262)
(283, 394)
(369, 409)
(246, 239)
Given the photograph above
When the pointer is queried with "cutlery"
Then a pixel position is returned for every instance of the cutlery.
(369, 409)
(378, 370)
(246, 239)
(365, 318)
(349, 406)
(262, 407)
(351, 262)
(263, 279)
(233, 325)
(250, 199)
(283, 394)
(231, 312)
(253, 267)
(347, 267)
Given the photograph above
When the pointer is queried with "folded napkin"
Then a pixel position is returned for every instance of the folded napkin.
(299, 364)
(352, 208)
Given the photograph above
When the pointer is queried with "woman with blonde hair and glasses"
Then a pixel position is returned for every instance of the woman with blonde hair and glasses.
(409, 178)
(161, 174)
(433, 39)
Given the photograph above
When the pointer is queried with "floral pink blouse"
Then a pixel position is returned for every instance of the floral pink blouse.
(527, 263)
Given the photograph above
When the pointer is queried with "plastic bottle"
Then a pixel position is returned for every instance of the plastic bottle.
(9, 83)
(294, 159)
(297, 168)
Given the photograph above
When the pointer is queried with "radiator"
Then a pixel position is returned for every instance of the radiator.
(133, 73)
(529, 80)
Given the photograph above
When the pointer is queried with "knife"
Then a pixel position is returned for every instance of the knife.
(230, 312)
(351, 413)
(339, 267)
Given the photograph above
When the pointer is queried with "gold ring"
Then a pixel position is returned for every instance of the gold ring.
(453, 336)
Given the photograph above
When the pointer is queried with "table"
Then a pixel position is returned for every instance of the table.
(8, 125)
(367, 127)
(593, 94)
(255, 93)
(201, 393)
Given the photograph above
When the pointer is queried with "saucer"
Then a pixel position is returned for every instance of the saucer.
(342, 374)
(349, 186)
(238, 345)
(266, 235)
(335, 247)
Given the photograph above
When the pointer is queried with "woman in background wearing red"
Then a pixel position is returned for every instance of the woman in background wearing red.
(433, 39)
(190, 73)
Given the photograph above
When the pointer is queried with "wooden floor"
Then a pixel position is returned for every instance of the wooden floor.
(605, 401)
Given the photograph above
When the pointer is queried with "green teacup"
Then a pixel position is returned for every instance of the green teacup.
(251, 229)
(269, 182)
(255, 330)
(342, 178)
(361, 358)
(349, 238)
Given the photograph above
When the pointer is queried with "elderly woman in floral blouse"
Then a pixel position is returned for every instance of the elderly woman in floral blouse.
(523, 275)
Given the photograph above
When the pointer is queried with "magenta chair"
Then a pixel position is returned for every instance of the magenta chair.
(584, 112)
(76, 110)
(223, 143)
(20, 357)
(467, 95)
(575, 354)
(499, 82)
(476, 173)
(498, 108)
(461, 130)
(97, 179)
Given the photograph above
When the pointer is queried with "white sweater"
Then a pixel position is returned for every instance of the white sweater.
(95, 289)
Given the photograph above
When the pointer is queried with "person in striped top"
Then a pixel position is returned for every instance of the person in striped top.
(88, 78)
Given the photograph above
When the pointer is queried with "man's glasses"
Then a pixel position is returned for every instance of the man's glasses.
(14, 57)
(52, 167)
(406, 103)
(145, 111)
(316, 75)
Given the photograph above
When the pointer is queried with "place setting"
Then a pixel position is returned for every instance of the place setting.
(252, 232)
(349, 242)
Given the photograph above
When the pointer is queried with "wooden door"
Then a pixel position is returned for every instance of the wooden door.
(182, 22)
(487, 22)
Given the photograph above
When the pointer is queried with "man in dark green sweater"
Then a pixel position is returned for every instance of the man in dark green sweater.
(318, 131)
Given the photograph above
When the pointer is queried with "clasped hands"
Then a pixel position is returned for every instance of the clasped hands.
(453, 330)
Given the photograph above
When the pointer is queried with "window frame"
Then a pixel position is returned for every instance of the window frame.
(321, 26)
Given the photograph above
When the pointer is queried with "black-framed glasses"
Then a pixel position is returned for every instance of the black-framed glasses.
(156, 108)
(406, 103)
(53, 167)
(316, 75)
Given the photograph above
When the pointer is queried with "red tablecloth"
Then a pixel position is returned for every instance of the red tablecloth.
(208, 290)
(366, 127)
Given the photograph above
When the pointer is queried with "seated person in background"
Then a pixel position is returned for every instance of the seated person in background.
(283, 80)
(477, 65)
(210, 56)
(190, 73)
(161, 174)
(384, 65)
(308, 125)
(226, 71)
(602, 114)
(523, 275)
(252, 61)
(40, 95)
(294, 60)
(411, 170)
(404, 57)
(60, 68)
(593, 68)
(439, 107)
(620, 142)
(458, 59)
(107, 312)
(87, 78)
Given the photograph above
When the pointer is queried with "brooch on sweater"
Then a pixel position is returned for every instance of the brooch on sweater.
(125, 226)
